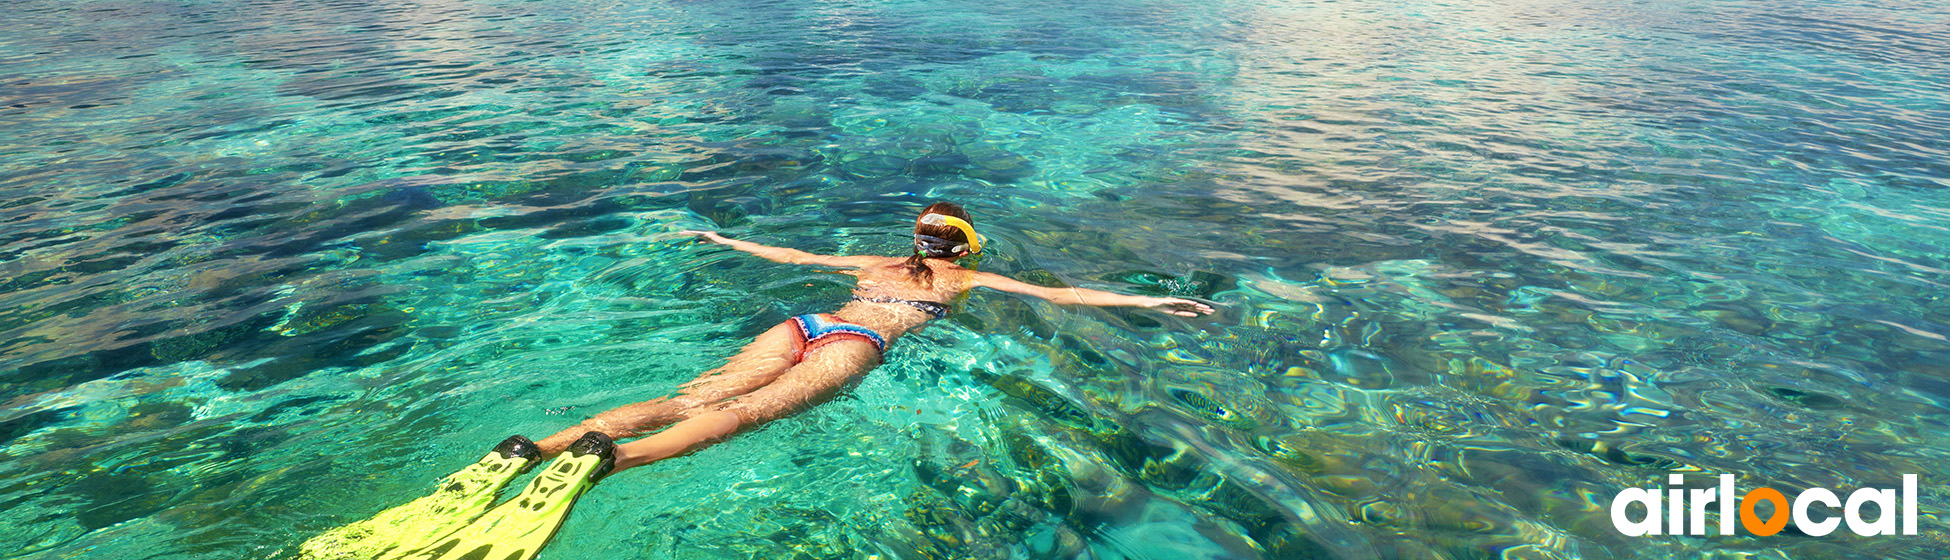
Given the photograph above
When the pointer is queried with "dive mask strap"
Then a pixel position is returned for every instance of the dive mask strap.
(937, 247)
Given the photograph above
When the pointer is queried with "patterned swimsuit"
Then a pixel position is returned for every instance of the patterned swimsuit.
(938, 310)
(819, 329)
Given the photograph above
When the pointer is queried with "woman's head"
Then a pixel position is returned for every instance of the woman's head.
(945, 230)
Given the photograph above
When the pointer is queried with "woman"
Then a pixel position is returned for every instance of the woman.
(799, 363)
(809, 358)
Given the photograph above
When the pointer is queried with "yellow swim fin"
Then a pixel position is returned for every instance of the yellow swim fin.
(517, 529)
(460, 498)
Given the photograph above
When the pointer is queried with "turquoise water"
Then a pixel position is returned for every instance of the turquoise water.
(271, 267)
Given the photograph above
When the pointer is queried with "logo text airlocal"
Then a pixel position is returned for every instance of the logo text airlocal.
(1677, 504)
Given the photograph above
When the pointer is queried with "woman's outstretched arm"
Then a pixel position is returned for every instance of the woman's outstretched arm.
(781, 254)
(1085, 296)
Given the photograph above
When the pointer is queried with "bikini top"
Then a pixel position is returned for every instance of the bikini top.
(938, 310)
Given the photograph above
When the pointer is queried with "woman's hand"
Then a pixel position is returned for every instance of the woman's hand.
(1178, 306)
(710, 236)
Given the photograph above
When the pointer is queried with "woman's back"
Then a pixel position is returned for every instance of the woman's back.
(891, 297)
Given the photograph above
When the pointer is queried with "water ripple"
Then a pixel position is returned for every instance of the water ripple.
(1479, 267)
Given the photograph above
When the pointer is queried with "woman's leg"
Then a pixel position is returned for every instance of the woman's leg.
(825, 372)
(757, 364)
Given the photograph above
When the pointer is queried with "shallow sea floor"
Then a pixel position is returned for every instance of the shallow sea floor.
(271, 267)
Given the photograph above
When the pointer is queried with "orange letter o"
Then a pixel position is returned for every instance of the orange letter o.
(1751, 520)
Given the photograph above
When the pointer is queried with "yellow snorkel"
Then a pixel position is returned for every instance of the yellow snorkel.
(974, 244)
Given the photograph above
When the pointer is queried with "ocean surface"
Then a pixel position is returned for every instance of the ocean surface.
(269, 267)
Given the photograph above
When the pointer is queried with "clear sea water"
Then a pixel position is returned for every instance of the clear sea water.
(270, 267)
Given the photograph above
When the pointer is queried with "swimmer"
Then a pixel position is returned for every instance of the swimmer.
(803, 361)
(808, 359)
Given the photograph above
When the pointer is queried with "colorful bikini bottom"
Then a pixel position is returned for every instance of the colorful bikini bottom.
(820, 329)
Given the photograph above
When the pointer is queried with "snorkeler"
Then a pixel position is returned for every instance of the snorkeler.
(800, 363)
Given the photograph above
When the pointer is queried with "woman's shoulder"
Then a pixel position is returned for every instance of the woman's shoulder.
(872, 263)
(892, 268)
(962, 277)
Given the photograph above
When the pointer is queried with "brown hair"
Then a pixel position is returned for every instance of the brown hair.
(917, 266)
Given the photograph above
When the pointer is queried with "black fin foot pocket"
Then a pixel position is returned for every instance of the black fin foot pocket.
(518, 446)
(596, 443)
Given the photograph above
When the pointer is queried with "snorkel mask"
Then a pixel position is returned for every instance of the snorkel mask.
(937, 247)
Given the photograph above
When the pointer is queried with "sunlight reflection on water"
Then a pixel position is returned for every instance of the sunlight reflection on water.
(272, 268)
